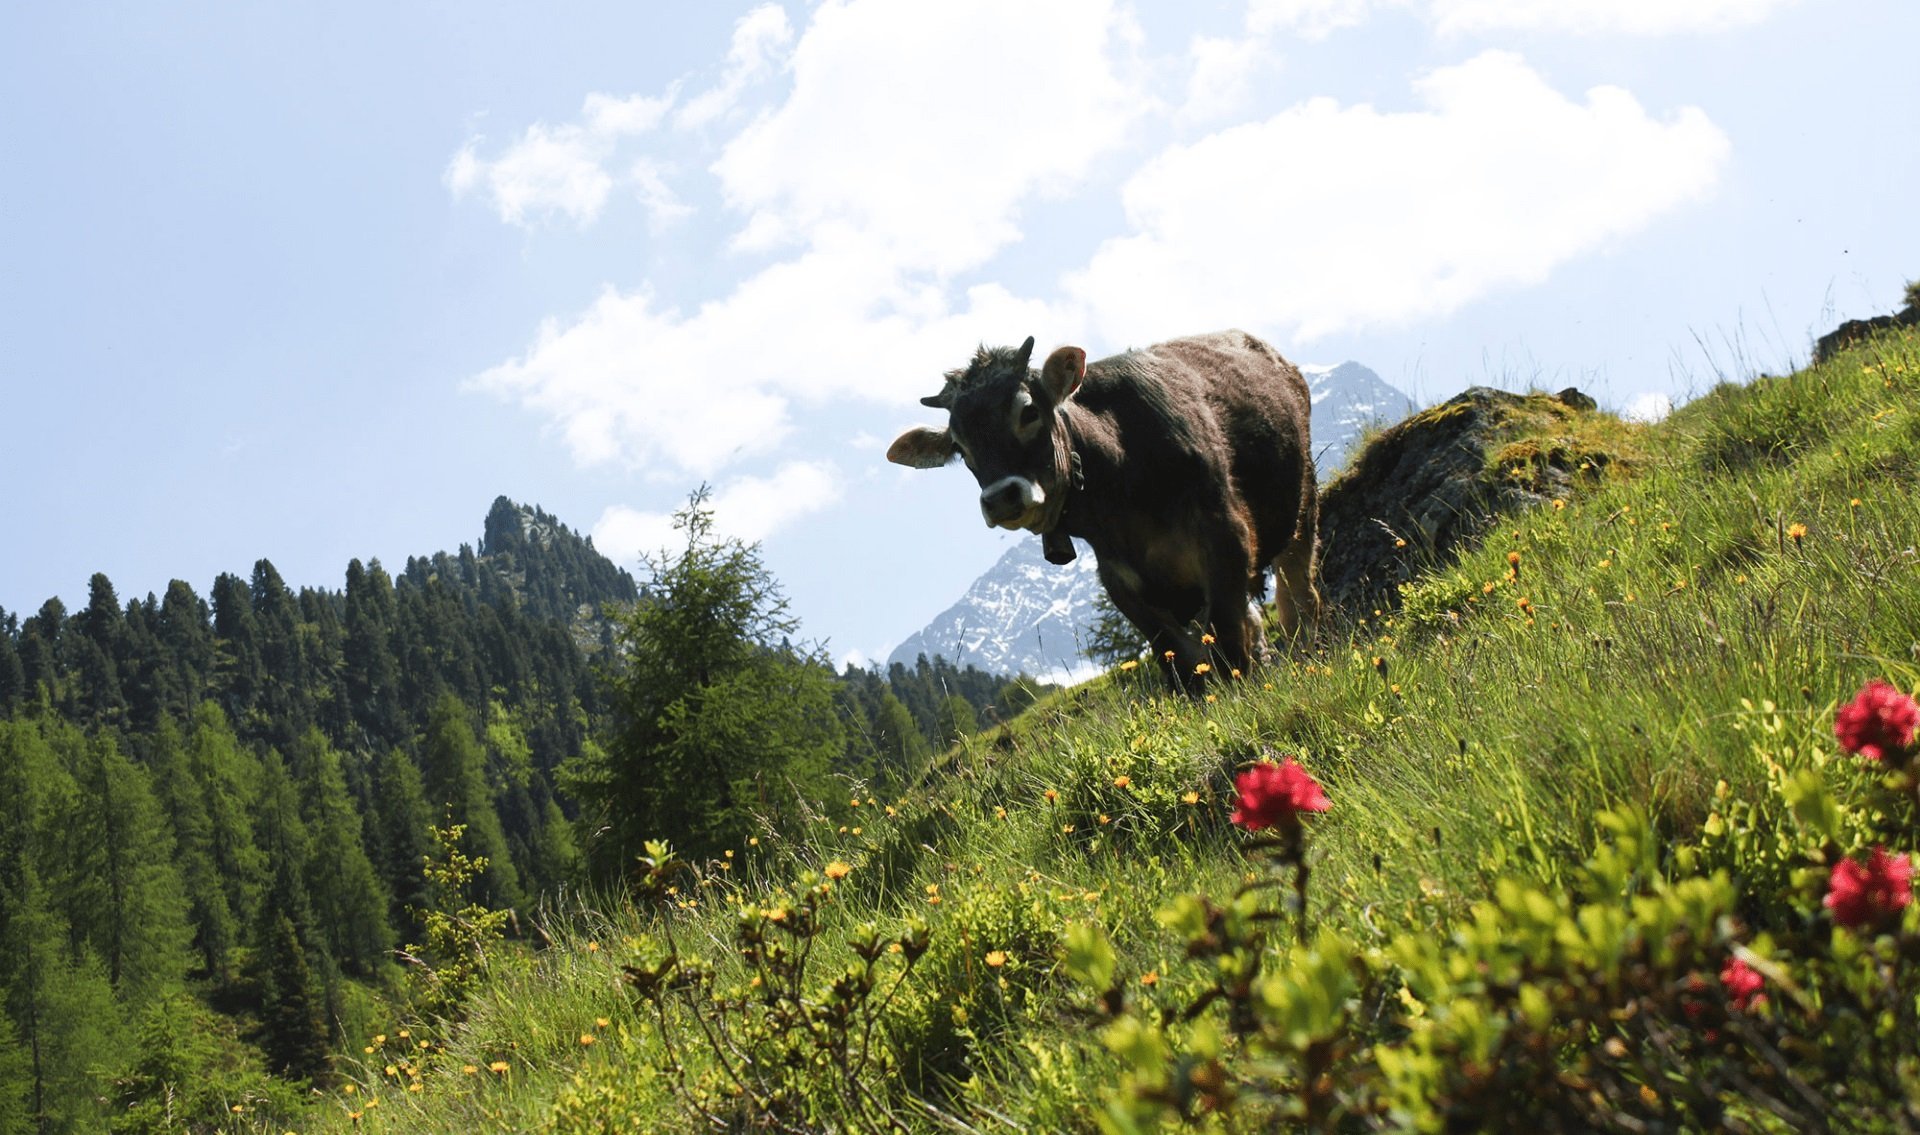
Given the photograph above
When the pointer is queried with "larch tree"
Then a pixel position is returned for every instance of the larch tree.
(722, 726)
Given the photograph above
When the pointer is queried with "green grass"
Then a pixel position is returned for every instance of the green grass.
(1757, 547)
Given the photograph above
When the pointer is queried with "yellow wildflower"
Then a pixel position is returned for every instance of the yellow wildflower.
(835, 870)
(1122, 781)
(996, 958)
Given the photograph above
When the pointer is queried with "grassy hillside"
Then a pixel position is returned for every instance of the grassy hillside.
(1671, 640)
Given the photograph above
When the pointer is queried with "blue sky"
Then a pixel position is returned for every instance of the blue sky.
(312, 282)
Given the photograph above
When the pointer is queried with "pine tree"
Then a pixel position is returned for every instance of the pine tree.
(184, 805)
(295, 972)
(185, 633)
(373, 677)
(55, 992)
(16, 1081)
(237, 667)
(401, 840)
(453, 772)
(718, 720)
(293, 1030)
(149, 679)
(13, 676)
(903, 748)
(119, 886)
(955, 719)
(229, 779)
(349, 901)
(284, 701)
(95, 651)
(40, 637)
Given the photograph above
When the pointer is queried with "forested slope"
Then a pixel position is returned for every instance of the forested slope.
(214, 812)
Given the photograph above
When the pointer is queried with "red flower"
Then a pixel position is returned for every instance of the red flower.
(1878, 723)
(1867, 894)
(1743, 984)
(1271, 795)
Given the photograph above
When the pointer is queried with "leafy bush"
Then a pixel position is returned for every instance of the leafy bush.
(1652, 989)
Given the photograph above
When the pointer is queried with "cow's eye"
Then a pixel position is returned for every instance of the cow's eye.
(1029, 414)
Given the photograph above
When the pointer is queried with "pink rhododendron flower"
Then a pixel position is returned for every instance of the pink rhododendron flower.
(1865, 894)
(1272, 795)
(1743, 984)
(1878, 723)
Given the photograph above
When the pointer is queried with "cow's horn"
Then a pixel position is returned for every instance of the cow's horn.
(1026, 351)
(940, 401)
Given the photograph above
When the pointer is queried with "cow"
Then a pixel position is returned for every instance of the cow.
(1186, 466)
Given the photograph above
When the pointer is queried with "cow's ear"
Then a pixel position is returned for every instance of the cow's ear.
(1063, 372)
(922, 448)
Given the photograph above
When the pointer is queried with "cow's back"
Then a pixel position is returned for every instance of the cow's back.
(1247, 409)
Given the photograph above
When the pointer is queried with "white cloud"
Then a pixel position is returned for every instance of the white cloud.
(634, 381)
(610, 117)
(556, 170)
(884, 196)
(925, 126)
(1595, 17)
(1309, 19)
(760, 39)
(1649, 406)
(1217, 85)
(1315, 19)
(746, 508)
(1327, 217)
(663, 205)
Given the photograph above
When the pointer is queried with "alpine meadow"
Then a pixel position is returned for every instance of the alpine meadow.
(1600, 820)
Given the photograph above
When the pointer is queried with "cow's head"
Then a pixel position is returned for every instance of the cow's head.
(1003, 420)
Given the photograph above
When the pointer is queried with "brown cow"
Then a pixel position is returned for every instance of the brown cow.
(1185, 465)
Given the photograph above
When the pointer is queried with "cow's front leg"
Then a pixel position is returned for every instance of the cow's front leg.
(1232, 618)
(1175, 650)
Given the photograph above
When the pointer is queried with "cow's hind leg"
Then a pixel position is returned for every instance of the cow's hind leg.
(1296, 592)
